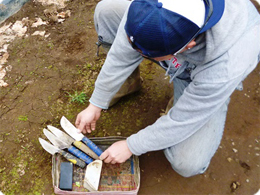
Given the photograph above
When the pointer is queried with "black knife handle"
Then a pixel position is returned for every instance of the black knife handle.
(73, 159)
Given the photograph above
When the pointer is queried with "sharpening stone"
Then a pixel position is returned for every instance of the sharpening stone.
(66, 175)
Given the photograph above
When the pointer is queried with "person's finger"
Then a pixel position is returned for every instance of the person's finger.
(77, 122)
(84, 131)
(93, 125)
(113, 162)
(108, 159)
(81, 126)
(104, 155)
(88, 127)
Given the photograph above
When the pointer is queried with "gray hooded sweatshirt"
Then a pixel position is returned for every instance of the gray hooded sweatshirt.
(223, 57)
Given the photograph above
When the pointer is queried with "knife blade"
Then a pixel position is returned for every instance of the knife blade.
(69, 140)
(56, 142)
(64, 136)
(62, 145)
(74, 133)
(52, 150)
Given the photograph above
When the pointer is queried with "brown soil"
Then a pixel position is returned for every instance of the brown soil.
(46, 70)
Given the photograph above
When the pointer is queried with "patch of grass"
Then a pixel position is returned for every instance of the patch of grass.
(78, 97)
(50, 45)
(50, 67)
(23, 118)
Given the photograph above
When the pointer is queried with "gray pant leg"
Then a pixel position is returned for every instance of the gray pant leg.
(192, 156)
(107, 17)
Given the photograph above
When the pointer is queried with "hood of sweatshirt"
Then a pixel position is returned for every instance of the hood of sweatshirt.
(217, 40)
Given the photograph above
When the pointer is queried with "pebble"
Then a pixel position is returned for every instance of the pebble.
(28, 82)
(40, 33)
(234, 185)
(39, 22)
(235, 150)
(229, 159)
(8, 68)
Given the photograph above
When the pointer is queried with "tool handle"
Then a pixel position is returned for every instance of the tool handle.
(73, 159)
(92, 146)
(85, 149)
(80, 154)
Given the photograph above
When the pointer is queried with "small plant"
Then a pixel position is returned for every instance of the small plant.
(22, 118)
(50, 45)
(78, 97)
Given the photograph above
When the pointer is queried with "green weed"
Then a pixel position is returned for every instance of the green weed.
(78, 97)
(22, 118)
(50, 45)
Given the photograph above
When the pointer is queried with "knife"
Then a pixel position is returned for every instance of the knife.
(73, 132)
(69, 140)
(61, 145)
(52, 150)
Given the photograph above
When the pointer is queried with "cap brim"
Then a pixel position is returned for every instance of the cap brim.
(218, 10)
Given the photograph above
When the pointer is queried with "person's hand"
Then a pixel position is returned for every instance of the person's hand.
(86, 119)
(116, 153)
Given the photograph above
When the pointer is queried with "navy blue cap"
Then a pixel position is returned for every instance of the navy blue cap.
(217, 7)
(157, 31)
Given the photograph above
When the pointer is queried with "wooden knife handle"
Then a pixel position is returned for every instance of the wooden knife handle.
(85, 149)
(80, 154)
(92, 146)
(73, 159)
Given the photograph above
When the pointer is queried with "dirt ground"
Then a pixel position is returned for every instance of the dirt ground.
(48, 72)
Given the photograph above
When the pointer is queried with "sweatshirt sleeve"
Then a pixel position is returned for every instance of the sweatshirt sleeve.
(121, 61)
(193, 109)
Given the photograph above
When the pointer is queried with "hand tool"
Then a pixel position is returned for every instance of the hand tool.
(52, 150)
(74, 133)
(69, 141)
(61, 145)
(92, 175)
(66, 176)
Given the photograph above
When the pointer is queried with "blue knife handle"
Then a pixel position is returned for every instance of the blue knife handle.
(80, 154)
(92, 146)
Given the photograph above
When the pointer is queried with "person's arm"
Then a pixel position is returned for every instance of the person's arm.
(194, 108)
(121, 61)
